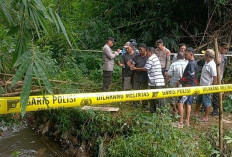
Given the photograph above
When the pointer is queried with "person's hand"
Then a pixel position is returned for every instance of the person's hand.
(165, 73)
(118, 63)
(118, 51)
(133, 68)
(129, 63)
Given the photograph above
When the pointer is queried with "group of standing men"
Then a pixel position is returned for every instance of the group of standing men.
(149, 67)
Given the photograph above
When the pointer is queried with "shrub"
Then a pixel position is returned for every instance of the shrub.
(227, 104)
(129, 133)
(156, 137)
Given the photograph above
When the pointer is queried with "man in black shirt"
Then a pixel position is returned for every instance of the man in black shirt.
(140, 80)
(140, 77)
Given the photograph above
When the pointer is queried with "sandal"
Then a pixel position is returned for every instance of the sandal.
(204, 119)
(178, 125)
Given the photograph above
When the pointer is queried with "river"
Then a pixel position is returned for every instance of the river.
(24, 143)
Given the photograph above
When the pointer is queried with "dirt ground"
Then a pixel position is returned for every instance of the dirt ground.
(195, 122)
(213, 121)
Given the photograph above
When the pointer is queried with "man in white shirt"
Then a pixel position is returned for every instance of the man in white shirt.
(208, 77)
(175, 73)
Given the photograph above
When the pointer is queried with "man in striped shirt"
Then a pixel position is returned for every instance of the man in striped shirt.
(156, 79)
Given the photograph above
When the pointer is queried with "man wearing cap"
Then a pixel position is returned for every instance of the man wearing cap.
(126, 61)
(134, 44)
(175, 73)
(208, 77)
(156, 79)
(119, 63)
(188, 79)
(164, 56)
(124, 49)
(108, 63)
(223, 49)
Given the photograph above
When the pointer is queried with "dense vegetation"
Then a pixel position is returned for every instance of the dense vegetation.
(44, 39)
(135, 133)
(27, 29)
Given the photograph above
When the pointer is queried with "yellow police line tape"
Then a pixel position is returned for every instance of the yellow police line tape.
(35, 103)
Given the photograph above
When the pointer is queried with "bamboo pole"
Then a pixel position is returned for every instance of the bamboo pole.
(18, 93)
(34, 78)
(220, 96)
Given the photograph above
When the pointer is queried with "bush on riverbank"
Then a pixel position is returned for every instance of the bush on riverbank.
(125, 133)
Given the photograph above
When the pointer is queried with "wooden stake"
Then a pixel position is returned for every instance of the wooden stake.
(220, 95)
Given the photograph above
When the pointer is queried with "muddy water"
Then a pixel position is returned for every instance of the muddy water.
(25, 143)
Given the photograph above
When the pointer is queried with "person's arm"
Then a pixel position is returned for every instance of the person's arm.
(138, 69)
(214, 80)
(121, 62)
(213, 73)
(168, 77)
(129, 64)
(169, 74)
(190, 75)
(110, 54)
(168, 60)
(145, 68)
(225, 66)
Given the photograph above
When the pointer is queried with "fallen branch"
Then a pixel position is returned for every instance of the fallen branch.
(106, 109)
(6, 83)
(34, 78)
(18, 93)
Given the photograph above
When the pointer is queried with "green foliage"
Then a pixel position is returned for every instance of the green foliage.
(129, 133)
(146, 21)
(89, 126)
(6, 49)
(228, 104)
(30, 63)
(212, 136)
(228, 142)
(32, 17)
(154, 136)
(9, 119)
(15, 153)
(27, 21)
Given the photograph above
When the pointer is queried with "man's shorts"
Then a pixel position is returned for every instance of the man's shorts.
(204, 99)
(174, 100)
(188, 100)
